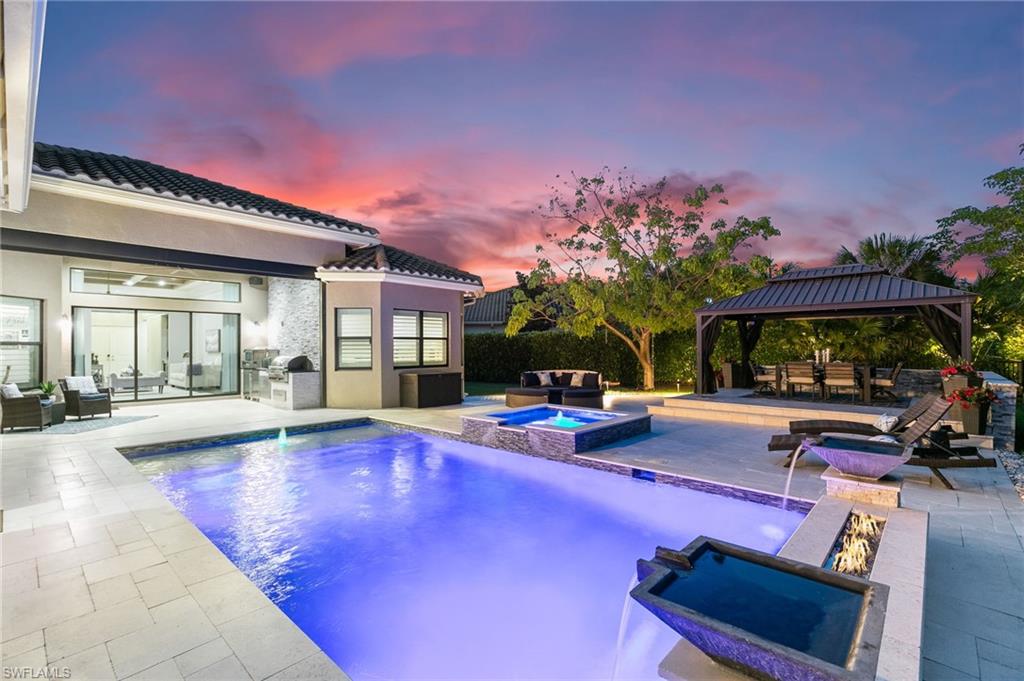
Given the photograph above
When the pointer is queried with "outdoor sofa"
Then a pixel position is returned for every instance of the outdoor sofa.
(559, 389)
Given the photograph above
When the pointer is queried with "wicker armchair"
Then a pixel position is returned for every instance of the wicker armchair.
(28, 411)
(86, 405)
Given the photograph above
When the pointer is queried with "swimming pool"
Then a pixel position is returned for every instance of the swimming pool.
(408, 556)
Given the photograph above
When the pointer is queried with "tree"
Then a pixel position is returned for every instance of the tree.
(635, 262)
(998, 231)
(996, 234)
(910, 257)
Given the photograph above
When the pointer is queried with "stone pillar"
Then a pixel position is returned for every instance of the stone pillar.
(293, 317)
(1004, 412)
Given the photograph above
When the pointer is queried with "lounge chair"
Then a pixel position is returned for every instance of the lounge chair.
(923, 421)
(931, 447)
(909, 415)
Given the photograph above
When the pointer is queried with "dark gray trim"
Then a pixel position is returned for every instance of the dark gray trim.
(56, 244)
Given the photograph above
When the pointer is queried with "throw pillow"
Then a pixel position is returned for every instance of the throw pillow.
(83, 384)
(530, 379)
(590, 380)
(884, 438)
(577, 380)
(11, 390)
(564, 379)
(886, 422)
(545, 379)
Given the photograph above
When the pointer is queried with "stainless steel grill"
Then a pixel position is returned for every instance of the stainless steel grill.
(282, 365)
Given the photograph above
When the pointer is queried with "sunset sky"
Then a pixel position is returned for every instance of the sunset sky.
(443, 124)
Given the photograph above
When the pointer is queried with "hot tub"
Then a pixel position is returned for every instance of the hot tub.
(552, 431)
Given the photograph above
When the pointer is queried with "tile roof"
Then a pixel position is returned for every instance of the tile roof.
(142, 176)
(843, 286)
(381, 258)
(493, 308)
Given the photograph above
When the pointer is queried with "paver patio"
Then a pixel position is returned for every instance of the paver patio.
(102, 575)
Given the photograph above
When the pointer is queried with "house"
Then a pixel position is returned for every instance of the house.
(155, 281)
(490, 313)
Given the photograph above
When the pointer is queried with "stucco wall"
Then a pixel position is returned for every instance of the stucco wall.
(379, 387)
(69, 216)
(353, 388)
(293, 317)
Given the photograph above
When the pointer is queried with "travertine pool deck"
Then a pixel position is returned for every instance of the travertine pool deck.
(103, 576)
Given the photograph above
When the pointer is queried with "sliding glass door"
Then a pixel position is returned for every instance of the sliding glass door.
(156, 354)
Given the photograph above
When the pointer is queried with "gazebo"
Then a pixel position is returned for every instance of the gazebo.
(835, 292)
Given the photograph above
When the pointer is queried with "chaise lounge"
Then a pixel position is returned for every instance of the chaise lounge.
(903, 421)
(931, 447)
(569, 387)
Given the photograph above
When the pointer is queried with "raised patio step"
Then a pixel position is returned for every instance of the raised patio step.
(757, 413)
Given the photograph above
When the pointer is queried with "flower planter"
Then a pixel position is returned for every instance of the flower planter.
(734, 375)
(975, 418)
(959, 382)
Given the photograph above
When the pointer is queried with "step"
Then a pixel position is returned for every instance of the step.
(756, 414)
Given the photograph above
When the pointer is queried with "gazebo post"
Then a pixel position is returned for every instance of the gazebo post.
(698, 384)
(965, 331)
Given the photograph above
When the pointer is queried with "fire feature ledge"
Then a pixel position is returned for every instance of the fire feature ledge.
(899, 564)
(883, 492)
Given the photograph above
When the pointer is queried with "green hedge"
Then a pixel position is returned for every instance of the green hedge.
(495, 358)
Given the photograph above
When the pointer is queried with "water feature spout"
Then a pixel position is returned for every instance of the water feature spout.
(627, 608)
(789, 479)
(282, 438)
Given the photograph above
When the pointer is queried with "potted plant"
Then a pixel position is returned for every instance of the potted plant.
(48, 388)
(971, 406)
(960, 376)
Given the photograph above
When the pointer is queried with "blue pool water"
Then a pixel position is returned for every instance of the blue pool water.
(565, 418)
(407, 556)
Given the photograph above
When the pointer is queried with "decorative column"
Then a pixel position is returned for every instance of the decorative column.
(1004, 424)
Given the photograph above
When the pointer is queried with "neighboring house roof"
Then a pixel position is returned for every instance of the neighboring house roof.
(493, 308)
(388, 259)
(838, 287)
(133, 174)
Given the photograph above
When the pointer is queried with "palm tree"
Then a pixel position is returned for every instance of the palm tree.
(911, 257)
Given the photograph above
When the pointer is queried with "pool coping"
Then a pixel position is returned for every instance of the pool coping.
(900, 562)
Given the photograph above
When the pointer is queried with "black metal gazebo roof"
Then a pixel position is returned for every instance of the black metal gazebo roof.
(836, 292)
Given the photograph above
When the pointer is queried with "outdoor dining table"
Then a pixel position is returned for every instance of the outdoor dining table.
(864, 371)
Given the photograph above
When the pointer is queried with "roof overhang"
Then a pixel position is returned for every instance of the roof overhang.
(834, 310)
(476, 290)
(21, 50)
(151, 201)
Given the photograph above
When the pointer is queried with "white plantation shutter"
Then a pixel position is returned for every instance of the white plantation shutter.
(354, 331)
(407, 324)
(420, 338)
(21, 341)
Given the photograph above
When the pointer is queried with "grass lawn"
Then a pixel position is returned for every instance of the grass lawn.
(477, 388)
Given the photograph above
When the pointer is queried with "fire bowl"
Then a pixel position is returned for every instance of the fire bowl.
(859, 458)
(768, 617)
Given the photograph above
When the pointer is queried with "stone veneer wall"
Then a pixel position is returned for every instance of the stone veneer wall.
(293, 317)
(917, 382)
(1003, 414)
